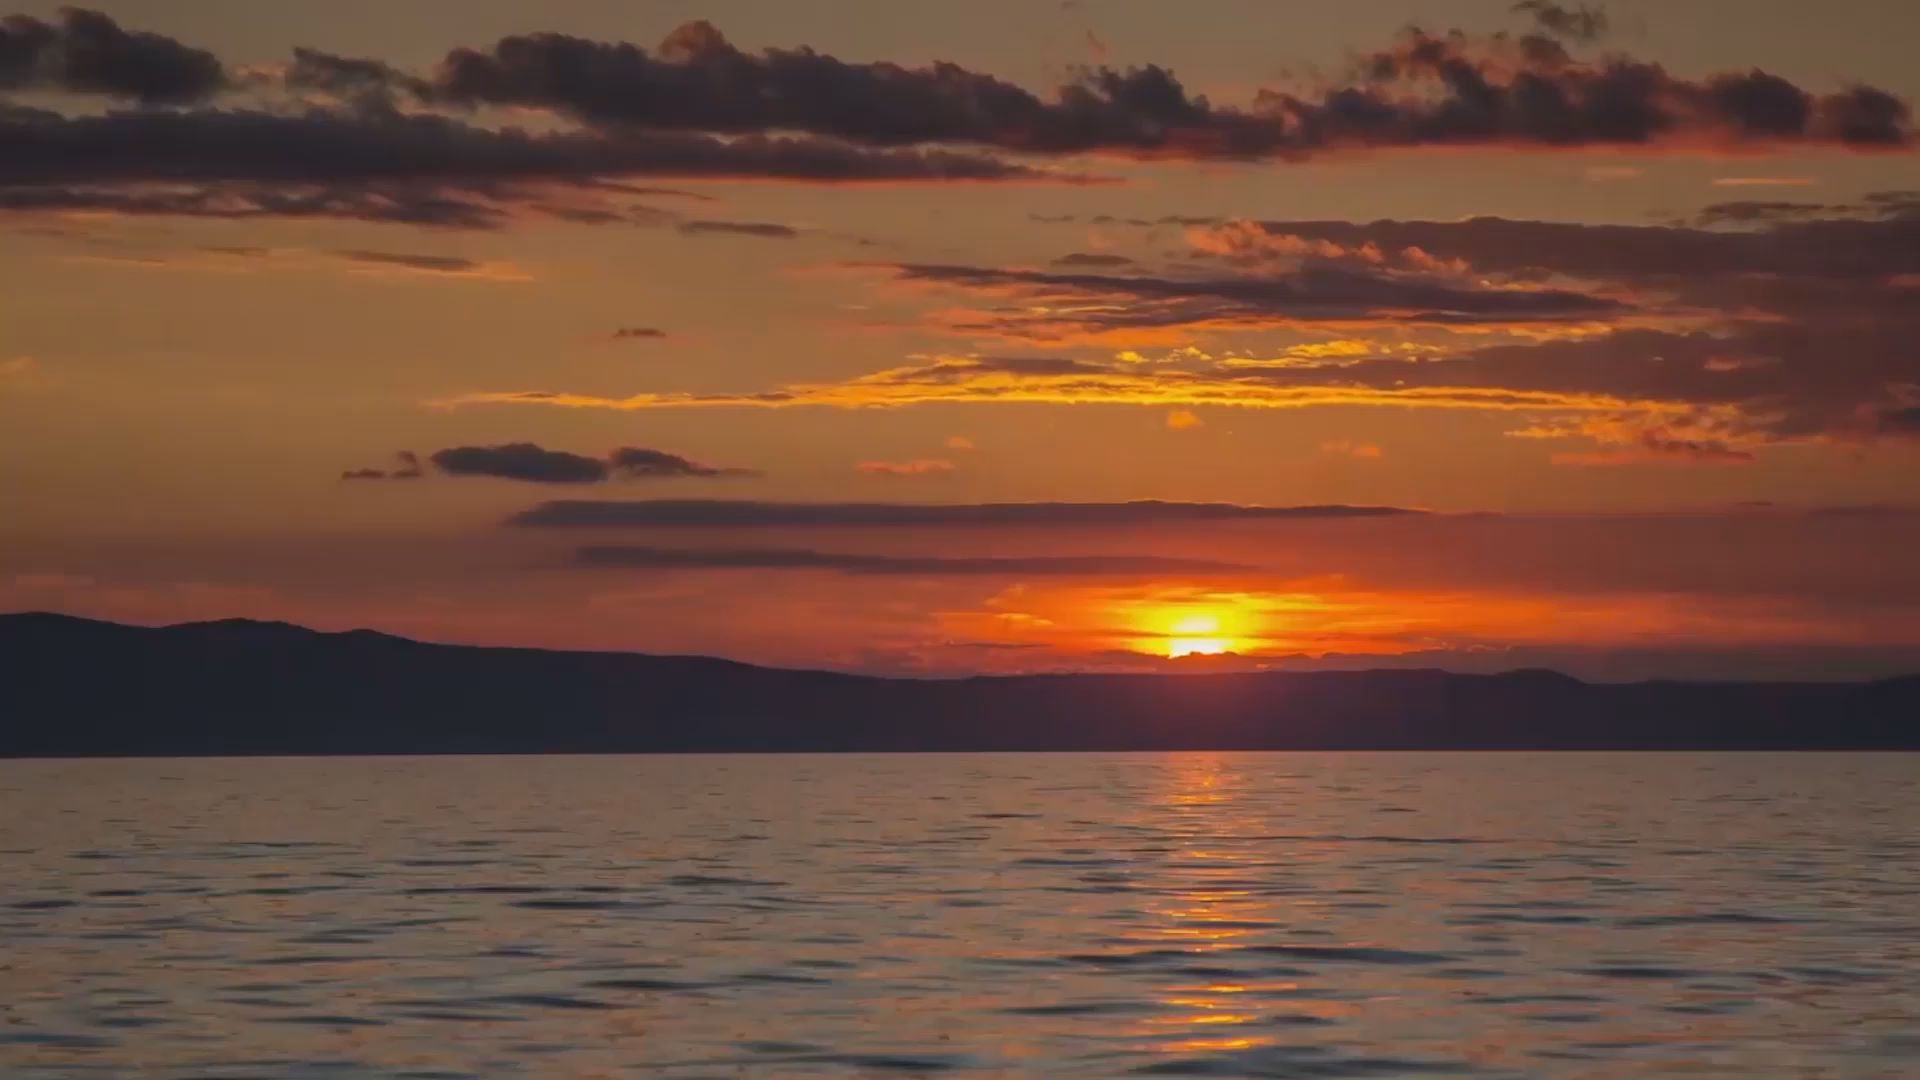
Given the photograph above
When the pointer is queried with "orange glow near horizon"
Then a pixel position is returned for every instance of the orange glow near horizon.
(1332, 616)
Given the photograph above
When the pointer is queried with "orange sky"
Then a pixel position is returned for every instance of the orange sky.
(1626, 360)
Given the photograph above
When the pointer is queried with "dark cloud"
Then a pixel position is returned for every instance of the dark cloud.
(697, 107)
(664, 193)
(1313, 292)
(85, 52)
(1826, 248)
(1092, 259)
(418, 204)
(1809, 323)
(1455, 89)
(1426, 90)
(520, 461)
(328, 146)
(1752, 211)
(1579, 23)
(697, 81)
(1081, 566)
(428, 264)
(1899, 421)
(1884, 205)
(1894, 204)
(728, 513)
(638, 462)
(405, 168)
(408, 468)
(1657, 445)
(1659, 442)
(367, 81)
(535, 464)
(739, 228)
(631, 333)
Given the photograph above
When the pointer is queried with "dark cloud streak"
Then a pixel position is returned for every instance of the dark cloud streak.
(729, 513)
(1316, 291)
(327, 146)
(804, 559)
(763, 229)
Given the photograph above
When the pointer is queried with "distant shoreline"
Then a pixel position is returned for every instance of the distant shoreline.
(72, 688)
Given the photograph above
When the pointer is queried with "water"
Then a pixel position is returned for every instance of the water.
(1321, 915)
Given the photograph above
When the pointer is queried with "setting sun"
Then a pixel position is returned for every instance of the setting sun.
(1196, 635)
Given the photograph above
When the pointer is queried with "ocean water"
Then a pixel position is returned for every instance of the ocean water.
(1314, 915)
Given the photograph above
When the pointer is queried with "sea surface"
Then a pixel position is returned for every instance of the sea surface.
(1047, 915)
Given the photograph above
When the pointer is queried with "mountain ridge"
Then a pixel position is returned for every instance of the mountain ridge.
(71, 686)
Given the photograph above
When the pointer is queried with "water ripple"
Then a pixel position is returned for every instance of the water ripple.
(1299, 915)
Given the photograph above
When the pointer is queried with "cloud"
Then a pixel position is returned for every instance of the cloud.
(424, 205)
(532, 463)
(520, 461)
(1823, 248)
(370, 82)
(1092, 259)
(1793, 321)
(433, 265)
(1349, 449)
(959, 442)
(1579, 23)
(1701, 438)
(1045, 306)
(1657, 446)
(236, 258)
(914, 467)
(85, 52)
(729, 513)
(1183, 419)
(804, 559)
(1893, 206)
(637, 333)
(762, 229)
(1425, 90)
(1904, 420)
(637, 462)
(1764, 181)
(408, 468)
(1529, 90)
(1459, 383)
(332, 146)
(1763, 211)
(410, 168)
(360, 139)
(1756, 379)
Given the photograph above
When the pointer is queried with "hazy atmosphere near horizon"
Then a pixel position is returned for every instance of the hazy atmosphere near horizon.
(1462, 334)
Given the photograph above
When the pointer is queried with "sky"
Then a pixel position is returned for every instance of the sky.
(1005, 337)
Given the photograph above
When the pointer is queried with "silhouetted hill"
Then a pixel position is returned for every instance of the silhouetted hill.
(72, 686)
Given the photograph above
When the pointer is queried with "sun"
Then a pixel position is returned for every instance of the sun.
(1195, 635)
